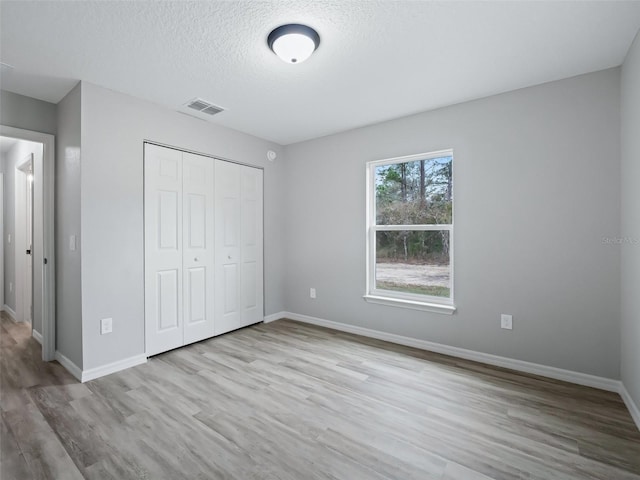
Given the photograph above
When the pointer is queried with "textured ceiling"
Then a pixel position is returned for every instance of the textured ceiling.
(377, 59)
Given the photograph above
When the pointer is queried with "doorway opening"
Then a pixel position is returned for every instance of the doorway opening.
(27, 232)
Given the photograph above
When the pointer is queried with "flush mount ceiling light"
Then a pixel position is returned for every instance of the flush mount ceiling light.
(293, 43)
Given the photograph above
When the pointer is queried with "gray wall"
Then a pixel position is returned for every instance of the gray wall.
(630, 249)
(67, 222)
(537, 178)
(114, 127)
(27, 113)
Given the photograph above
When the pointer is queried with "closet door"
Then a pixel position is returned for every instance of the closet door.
(228, 310)
(163, 249)
(251, 252)
(198, 241)
(239, 239)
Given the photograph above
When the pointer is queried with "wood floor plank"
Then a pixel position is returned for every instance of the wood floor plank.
(13, 465)
(43, 452)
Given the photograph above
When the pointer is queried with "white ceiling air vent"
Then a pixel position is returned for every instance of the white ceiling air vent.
(203, 107)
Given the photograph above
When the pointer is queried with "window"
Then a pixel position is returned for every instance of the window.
(410, 231)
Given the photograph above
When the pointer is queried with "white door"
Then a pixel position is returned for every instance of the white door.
(227, 247)
(251, 274)
(23, 240)
(239, 279)
(198, 242)
(28, 283)
(163, 198)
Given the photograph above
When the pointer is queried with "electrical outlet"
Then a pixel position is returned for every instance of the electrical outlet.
(72, 243)
(506, 321)
(106, 325)
(312, 293)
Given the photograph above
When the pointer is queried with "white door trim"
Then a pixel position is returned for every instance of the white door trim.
(48, 272)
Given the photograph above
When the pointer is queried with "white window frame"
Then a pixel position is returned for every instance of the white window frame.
(401, 299)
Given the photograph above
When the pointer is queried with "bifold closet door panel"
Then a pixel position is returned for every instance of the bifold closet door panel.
(251, 252)
(227, 257)
(198, 243)
(163, 249)
(239, 239)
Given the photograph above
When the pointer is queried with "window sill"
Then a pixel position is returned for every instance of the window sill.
(412, 304)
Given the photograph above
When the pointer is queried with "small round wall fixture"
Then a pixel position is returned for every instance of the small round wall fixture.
(293, 43)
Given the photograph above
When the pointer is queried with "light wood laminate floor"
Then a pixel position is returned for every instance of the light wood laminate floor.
(290, 401)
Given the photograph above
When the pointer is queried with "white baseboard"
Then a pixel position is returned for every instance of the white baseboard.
(93, 373)
(10, 312)
(38, 336)
(71, 367)
(274, 316)
(631, 405)
(585, 379)
(109, 368)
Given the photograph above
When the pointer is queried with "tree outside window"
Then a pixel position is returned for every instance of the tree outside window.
(411, 227)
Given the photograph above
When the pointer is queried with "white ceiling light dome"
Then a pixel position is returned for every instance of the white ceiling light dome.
(293, 43)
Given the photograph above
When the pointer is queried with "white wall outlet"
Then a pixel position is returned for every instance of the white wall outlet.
(506, 321)
(72, 243)
(106, 325)
(312, 293)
